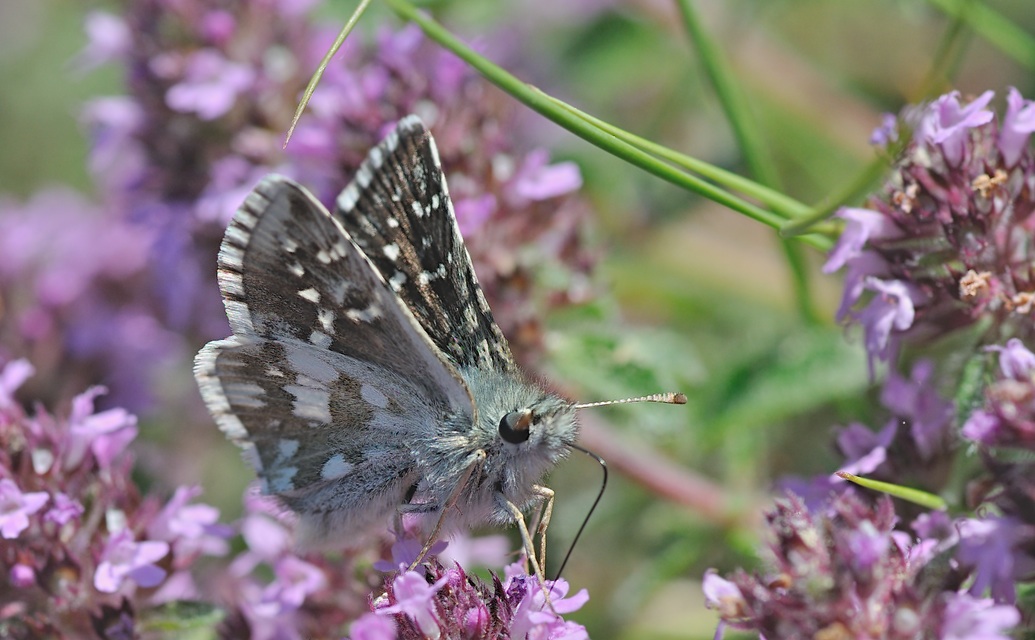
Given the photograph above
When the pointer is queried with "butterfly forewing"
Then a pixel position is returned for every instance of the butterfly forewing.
(399, 212)
(327, 372)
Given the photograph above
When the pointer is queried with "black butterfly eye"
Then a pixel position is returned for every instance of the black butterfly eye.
(514, 427)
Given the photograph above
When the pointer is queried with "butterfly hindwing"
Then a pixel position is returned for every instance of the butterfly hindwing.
(336, 439)
(399, 212)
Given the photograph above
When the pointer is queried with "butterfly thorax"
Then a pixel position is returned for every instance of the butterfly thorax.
(511, 468)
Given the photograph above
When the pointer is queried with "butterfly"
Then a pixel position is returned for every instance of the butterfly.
(365, 376)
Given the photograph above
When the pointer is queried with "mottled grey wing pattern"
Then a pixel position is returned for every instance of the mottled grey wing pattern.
(327, 375)
(398, 211)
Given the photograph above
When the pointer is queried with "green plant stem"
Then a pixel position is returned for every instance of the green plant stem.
(750, 143)
(916, 496)
(994, 27)
(315, 80)
(546, 106)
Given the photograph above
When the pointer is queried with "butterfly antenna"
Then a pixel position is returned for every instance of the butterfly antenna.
(585, 521)
(664, 398)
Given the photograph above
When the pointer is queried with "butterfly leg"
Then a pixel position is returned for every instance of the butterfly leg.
(527, 543)
(477, 458)
(547, 494)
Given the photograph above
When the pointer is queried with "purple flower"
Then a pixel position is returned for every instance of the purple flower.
(190, 528)
(864, 449)
(886, 132)
(948, 124)
(968, 618)
(982, 427)
(868, 546)
(536, 179)
(105, 434)
(108, 38)
(722, 595)
(532, 618)
(1018, 125)
(371, 626)
(1015, 361)
(12, 376)
(415, 598)
(405, 550)
(22, 576)
(210, 86)
(295, 579)
(125, 558)
(16, 507)
(989, 546)
(861, 225)
(65, 509)
(481, 551)
(892, 308)
(918, 399)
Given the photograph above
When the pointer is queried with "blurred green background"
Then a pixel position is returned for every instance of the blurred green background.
(692, 297)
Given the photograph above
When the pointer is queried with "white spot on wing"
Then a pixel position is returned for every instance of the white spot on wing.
(310, 403)
(320, 339)
(397, 280)
(347, 199)
(364, 315)
(326, 318)
(310, 294)
(391, 251)
(392, 223)
(297, 269)
(417, 209)
(374, 396)
(335, 467)
(286, 448)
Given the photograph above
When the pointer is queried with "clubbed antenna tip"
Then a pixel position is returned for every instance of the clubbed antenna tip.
(664, 398)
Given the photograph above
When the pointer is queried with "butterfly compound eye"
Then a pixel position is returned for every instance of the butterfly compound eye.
(514, 427)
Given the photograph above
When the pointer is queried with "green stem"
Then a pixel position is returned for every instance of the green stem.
(315, 80)
(916, 496)
(862, 184)
(749, 141)
(547, 106)
(994, 27)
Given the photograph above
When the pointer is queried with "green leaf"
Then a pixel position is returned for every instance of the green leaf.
(182, 620)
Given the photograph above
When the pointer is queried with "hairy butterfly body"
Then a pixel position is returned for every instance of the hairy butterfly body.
(365, 375)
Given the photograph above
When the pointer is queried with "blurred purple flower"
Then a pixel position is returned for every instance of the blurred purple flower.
(989, 546)
(108, 38)
(982, 427)
(929, 415)
(371, 626)
(22, 576)
(190, 528)
(968, 618)
(12, 377)
(864, 449)
(1015, 361)
(886, 132)
(1018, 125)
(16, 507)
(536, 179)
(210, 86)
(65, 509)
(126, 559)
(105, 434)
